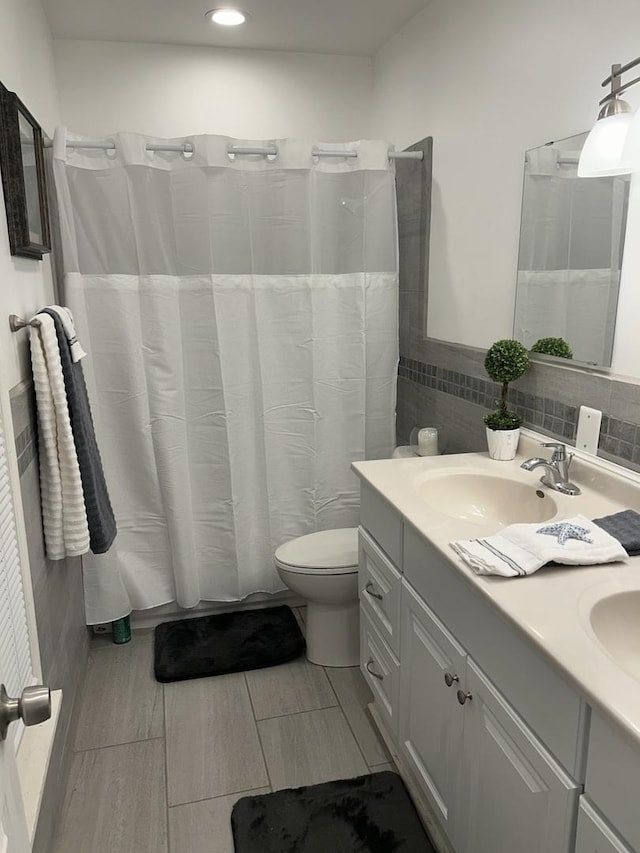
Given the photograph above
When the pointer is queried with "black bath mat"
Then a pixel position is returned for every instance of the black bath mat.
(370, 814)
(228, 642)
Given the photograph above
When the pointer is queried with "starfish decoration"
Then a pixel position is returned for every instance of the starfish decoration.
(565, 531)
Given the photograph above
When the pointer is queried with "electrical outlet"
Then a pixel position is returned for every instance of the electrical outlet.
(588, 432)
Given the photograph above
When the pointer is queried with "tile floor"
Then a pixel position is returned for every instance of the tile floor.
(157, 768)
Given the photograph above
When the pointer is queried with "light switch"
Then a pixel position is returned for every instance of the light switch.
(588, 429)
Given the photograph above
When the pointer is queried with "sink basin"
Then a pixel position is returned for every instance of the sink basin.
(616, 623)
(486, 499)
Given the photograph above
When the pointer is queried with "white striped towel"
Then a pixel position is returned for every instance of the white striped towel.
(522, 549)
(64, 516)
(66, 318)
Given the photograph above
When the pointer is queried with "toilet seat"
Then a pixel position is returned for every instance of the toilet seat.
(329, 552)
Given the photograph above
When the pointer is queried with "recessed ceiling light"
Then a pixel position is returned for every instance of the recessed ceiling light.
(226, 17)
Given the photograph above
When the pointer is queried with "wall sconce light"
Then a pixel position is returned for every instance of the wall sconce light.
(611, 148)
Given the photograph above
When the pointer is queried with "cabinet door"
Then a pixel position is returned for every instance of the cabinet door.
(594, 834)
(431, 720)
(516, 795)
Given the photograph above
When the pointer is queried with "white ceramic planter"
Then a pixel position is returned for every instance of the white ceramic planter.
(502, 443)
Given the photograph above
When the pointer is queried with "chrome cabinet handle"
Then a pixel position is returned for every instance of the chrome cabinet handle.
(449, 679)
(33, 707)
(371, 672)
(462, 696)
(369, 589)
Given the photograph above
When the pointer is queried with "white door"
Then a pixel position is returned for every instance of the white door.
(431, 720)
(16, 665)
(517, 796)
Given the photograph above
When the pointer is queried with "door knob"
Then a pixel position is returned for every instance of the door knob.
(33, 707)
(449, 679)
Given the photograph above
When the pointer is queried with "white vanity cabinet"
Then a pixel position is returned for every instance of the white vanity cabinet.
(487, 777)
(489, 734)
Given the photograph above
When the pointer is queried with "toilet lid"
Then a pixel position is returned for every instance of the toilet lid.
(328, 549)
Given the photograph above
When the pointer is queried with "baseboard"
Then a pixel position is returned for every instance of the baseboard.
(425, 812)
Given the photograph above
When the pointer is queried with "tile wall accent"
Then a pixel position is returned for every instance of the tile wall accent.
(59, 605)
(445, 385)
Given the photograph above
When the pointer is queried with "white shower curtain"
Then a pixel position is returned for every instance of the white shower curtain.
(241, 319)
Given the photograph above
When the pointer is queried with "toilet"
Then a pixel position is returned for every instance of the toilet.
(323, 569)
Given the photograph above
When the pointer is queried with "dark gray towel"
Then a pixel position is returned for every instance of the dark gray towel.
(625, 527)
(100, 518)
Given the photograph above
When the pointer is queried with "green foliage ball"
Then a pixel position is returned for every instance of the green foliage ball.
(553, 346)
(506, 361)
(503, 420)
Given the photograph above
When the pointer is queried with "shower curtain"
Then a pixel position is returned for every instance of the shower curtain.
(240, 313)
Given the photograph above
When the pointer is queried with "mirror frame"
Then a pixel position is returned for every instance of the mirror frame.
(13, 178)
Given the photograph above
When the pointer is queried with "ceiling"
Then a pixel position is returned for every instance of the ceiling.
(351, 27)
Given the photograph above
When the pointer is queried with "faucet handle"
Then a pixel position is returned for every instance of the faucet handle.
(559, 450)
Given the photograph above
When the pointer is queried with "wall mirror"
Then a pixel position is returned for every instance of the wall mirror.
(23, 178)
(571, 244)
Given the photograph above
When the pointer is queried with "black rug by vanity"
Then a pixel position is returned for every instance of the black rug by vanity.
(228, 642)
(370, 814)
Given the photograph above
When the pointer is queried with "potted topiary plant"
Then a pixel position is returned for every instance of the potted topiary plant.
(553, 346)
(505, 361)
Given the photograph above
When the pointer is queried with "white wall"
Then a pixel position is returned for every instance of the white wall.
(170, 90)
(26, 67)
(488, 80)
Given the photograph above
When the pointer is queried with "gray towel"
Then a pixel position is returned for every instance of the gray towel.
(625, 527)
(100, 518)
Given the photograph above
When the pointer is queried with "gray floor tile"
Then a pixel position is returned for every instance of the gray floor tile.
(116, 801)
(212, 742)
(378, 768)
(205, 827)
(288, 689)
(354, 695)
(121, 700)
(315, 746)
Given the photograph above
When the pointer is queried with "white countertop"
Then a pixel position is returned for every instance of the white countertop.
(550, 607)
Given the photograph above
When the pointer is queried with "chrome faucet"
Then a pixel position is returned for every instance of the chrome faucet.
(556, 474)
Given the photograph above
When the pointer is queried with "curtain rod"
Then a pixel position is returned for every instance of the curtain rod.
(271, 151)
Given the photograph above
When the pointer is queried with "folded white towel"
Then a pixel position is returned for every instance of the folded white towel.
(64, 515)
(522, 549)
(66, 318)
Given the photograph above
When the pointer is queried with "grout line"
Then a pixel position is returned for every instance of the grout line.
(350, 727)
(219, 797)
(115, 745)
(297, 713)
(255, 722)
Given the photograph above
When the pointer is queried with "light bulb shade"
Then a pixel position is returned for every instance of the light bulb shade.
(227, 17)
(631, 148)
(602, 151)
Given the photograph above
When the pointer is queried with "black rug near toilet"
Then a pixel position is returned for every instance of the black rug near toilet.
(228, 642)
(369, 814)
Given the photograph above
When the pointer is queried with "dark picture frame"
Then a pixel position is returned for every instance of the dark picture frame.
(23, 178)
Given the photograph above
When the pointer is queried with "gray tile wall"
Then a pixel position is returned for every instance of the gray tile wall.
(445, 385)
(59, 605)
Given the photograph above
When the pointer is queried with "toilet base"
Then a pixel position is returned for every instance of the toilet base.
(333, 634)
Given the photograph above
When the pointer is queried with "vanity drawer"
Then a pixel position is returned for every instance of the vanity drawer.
(379, 585)
(377, 514)
(613, 776)
(381, 671)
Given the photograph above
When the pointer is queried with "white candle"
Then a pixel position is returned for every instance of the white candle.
(428, 441)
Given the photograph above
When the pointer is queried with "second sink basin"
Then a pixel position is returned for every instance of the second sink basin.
(616, 623)
(486, 499)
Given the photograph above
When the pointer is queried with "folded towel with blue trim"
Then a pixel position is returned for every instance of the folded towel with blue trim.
(625, 527)
(522, 549)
